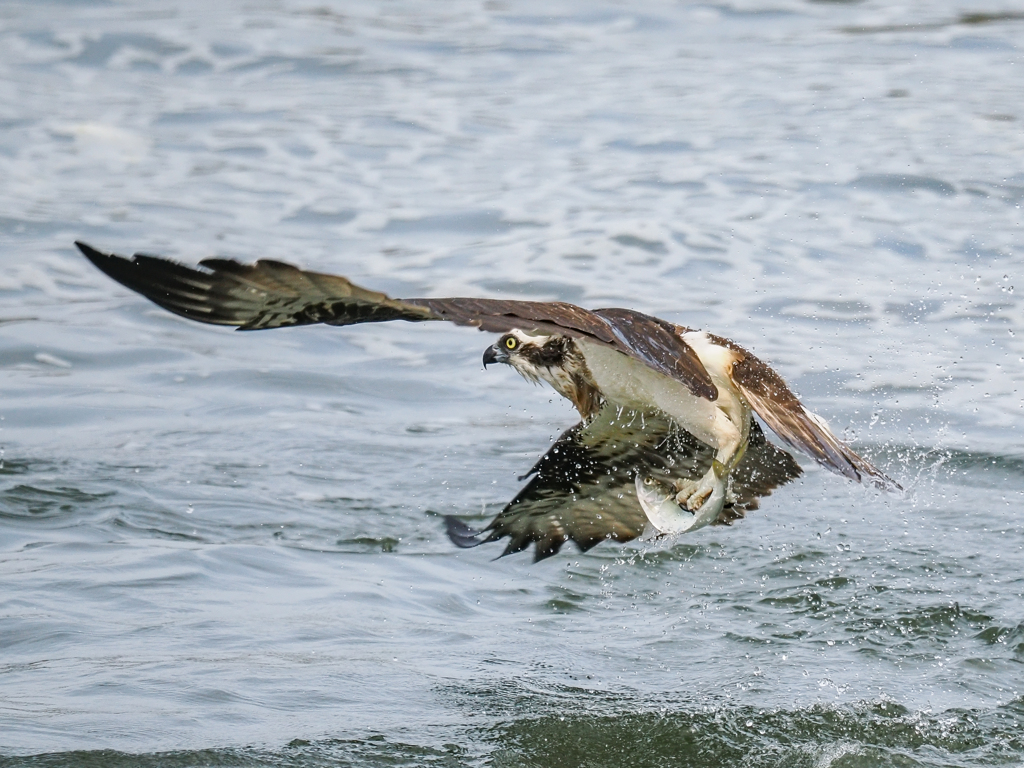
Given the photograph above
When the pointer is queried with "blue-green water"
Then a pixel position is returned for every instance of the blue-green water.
(223, 548)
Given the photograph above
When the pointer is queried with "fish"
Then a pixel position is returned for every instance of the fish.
(658, 499)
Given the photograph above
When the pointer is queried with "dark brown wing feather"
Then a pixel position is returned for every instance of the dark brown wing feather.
(271, 294)
(657, 343)
(267, 294)
(773, 401)
(582, 490)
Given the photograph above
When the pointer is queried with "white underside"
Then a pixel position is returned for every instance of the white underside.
(624, 381)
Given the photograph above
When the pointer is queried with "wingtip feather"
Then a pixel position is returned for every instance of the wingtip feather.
(102, 261)
(461, 535)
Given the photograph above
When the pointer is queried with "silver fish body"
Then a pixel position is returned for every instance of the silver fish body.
(658, 499)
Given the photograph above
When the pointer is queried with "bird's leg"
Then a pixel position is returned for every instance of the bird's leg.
(677, 506)
(706, 497)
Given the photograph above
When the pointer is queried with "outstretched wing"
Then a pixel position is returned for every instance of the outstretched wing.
(267, 294)
(773, 401)
(582, 490)
(271, 294)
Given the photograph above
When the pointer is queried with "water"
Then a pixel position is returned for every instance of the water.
(225, 549)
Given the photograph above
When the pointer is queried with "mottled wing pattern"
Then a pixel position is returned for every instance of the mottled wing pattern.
(773, 401)
(582, 490)
(271, 294)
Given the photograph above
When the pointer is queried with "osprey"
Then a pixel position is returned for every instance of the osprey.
(666, 435)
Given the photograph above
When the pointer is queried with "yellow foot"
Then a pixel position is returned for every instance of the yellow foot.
(693, 494)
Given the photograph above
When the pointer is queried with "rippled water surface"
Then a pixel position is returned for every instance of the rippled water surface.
(225, 548)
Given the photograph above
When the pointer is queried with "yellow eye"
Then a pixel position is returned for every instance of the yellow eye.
(511, 342)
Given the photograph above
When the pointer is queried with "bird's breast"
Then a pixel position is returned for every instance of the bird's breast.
(631, 384)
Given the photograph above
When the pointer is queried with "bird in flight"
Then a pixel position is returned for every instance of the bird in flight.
(666, 438)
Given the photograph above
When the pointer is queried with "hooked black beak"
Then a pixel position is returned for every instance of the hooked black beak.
(495, 354)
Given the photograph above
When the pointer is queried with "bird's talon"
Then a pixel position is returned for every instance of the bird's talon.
(691, 494)
(696, 501)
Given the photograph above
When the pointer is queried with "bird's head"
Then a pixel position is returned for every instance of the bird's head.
(534, 356)
(554, 359)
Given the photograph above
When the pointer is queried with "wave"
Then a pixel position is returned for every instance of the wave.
(878, 733)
